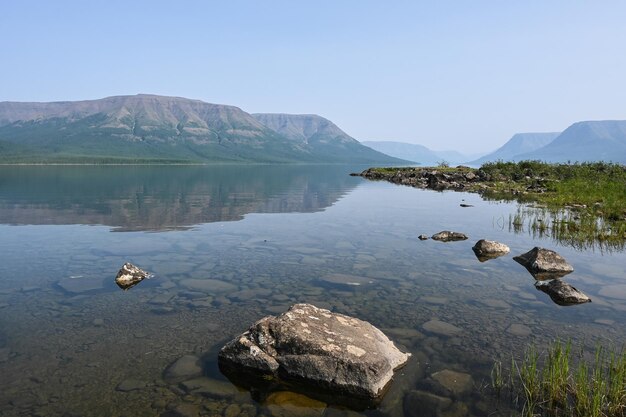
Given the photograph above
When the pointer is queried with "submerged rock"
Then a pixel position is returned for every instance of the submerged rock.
(441, 328)
(562, 293)
(425, 404)
(186, 367)
(346, 280)
(518, 329)
(209, 387)
(130, 385)
(129, 276)
(210, 286)
(544, 263)
(456, 382)
(447, 236)
(614, 291)
(81, 284)
(489, 249)
(316, 350)
(286, 404)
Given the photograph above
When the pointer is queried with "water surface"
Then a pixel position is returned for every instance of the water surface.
(270, 236)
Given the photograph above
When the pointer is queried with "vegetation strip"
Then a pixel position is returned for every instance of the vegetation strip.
(585, 201)
(552, 384)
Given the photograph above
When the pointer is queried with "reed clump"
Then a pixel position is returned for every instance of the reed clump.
(569, 228)
(591, 188)
(557, 384)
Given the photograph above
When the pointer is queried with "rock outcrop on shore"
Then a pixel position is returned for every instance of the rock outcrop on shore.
(315, 349)
(459, 179)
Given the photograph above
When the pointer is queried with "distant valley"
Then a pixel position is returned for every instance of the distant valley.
(519, 144)
(157, 129)
(586, 141)
(418, 153)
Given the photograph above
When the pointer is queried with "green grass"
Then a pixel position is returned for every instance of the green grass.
(552, 384)
(597, 188)
(585, 204)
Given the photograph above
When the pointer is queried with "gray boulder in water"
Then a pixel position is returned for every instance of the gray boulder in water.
(489, 249)
(311, 348)
(544, 263)
(448, 236)
(129, 276)
(562, 293)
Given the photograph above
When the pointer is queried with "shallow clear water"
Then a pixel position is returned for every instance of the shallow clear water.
(270, 235)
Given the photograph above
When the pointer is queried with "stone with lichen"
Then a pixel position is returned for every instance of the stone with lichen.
(309, 346)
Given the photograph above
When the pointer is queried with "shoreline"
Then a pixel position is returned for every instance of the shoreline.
(586, 201)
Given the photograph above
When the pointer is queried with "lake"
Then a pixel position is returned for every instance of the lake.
(229, 245)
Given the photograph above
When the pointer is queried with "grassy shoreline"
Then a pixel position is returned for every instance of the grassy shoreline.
(585, 201)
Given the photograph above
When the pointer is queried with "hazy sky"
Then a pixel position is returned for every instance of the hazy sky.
(446, 74)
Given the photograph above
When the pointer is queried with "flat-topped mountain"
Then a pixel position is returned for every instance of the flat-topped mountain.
(148, 128)
(585, 141)
(323, 137)
(520, 143)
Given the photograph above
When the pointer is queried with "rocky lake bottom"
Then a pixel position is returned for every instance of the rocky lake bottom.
(229, 246)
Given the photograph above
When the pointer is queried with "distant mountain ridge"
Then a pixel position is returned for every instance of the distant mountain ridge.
(156, 128)
(585, 142)
(148, 128)
(417, 153)
(520, 143)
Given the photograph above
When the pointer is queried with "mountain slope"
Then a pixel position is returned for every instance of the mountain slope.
(141, 127)
(520, 143)
(585, 141)
(144, 128)
(324, 139)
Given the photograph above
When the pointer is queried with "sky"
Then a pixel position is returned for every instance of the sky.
(463, 75)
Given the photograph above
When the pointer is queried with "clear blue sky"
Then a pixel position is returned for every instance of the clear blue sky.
(446, 74)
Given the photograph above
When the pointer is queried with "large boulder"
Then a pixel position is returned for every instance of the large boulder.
(562, 293)
(489, 249)
(313, 349)
(448, 236)
(544, 263)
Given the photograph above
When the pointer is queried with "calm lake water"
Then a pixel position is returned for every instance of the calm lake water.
(73, 344)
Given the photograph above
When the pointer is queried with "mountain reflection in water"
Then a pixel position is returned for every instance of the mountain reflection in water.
(159, 198)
